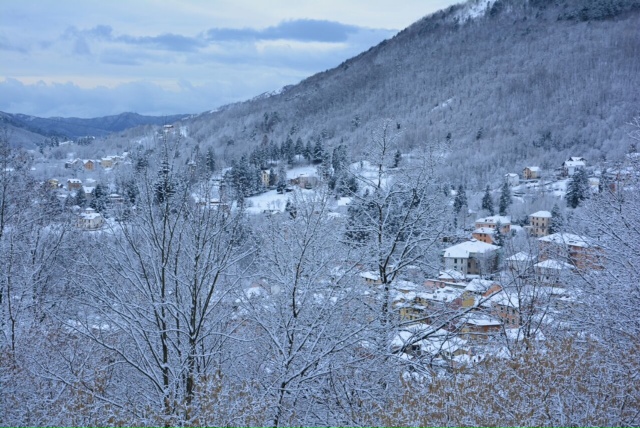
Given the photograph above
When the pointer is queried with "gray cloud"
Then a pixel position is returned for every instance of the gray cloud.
(170, 42)
(304, 30)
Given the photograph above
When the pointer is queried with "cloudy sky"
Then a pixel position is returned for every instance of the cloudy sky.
(88, 58)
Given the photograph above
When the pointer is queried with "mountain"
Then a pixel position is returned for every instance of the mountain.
(33, 129)
(505, 83)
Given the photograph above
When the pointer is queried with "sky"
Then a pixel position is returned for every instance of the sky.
(90, 58)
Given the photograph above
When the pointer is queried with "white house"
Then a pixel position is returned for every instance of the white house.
(471, 257)
(512, 179)
(90, 219)
(574, 163)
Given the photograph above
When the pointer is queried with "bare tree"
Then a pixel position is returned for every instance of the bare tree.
(156, 291)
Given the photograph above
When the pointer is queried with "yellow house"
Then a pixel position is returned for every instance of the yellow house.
(106, 162)
(539, 223)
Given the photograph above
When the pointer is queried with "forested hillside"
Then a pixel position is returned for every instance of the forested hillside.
(528, 81)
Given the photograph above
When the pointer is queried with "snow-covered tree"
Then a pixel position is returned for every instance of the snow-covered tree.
(487, 201)
(505, 199)
(578, 188)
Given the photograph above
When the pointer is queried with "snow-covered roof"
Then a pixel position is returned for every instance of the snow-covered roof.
(573, 163)
(545, 214)
(478, 285)
(511, 174)
(402, 285)
(370, 275)
(73, 180)
(567, 239)
(481, 320)
(533, 168)
(466, 249)
(502, 298)
(444, 294)
(485, 230)
(553, 264)
(520, 257)
(450, 274)
(494, 219)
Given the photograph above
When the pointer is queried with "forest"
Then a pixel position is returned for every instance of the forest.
(178, 313)
(345, 299)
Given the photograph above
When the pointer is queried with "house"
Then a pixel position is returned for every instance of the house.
(552, 272)
(531, 173)
(88, 164)
(106, 162)
(53, 183)
(492, 221)
(305, 181)
(569, 167)
(539, 223)
(265, 177)
(475, 325)
(89, 219)
(471, 257)
(478, 290)
(74, 184)
(512, 179)
(75, 163)
(520, 262)
(580, 251)
(506, 307)
(484, 234)
(370, 277)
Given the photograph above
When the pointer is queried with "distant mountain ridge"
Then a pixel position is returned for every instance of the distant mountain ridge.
(73, 127)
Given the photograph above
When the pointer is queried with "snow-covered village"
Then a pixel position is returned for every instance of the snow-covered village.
(442, 230)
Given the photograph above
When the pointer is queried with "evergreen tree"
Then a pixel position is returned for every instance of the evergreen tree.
(299, 147)
(210, 160)
(505, 199)
(80, 199)
(487, 201)
(556, 224)
(288, 151)
(578, 188)
(318, 152)
(308, 152)
(498, 237)
(281, 178)
(100, 199)
(130, 191)
(397, 158)
(164, 186)
(339, 159)
(460, 200)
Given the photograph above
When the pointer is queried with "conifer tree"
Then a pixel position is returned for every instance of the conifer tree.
(487, 201)
(505, 199)
(578, 188)
(99, 201)
(556, 224)
(460, 200)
